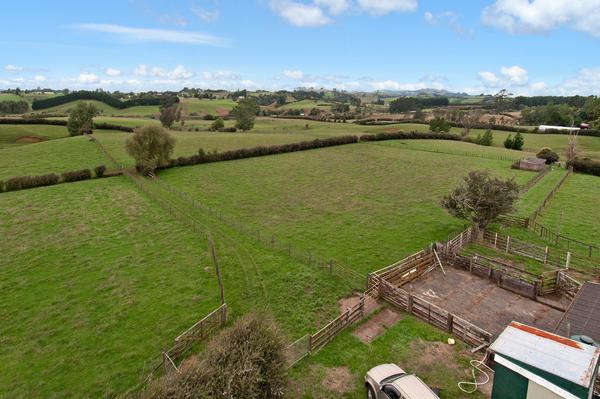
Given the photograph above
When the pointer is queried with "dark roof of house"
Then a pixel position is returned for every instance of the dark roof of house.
(583, 315)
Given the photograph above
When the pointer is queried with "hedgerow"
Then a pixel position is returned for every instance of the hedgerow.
(59, 122)
(587, 166)
(106, 98)
(77, 175)
(24, 182)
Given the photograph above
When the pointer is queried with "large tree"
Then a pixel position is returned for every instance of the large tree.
(245, 113)
(151, 147)
(481, 198)
(81, 119)
(170, 114)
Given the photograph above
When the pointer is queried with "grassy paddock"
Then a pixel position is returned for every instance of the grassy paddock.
(95, 281)
(17, 135)
(100, 280)
(575, 208)
(415, 346)
(57, 156)
(204, 106)
(364, 205)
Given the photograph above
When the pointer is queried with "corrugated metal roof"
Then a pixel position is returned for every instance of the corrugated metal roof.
(583, 315)
(562, 357)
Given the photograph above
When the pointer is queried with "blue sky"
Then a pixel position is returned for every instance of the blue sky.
(529, 47)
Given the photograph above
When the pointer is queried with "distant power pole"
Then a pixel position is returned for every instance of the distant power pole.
(213, 253)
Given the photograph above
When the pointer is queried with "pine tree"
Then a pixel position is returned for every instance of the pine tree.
(518, 142)
(508, 143)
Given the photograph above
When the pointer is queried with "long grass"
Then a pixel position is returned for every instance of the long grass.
(17, 135)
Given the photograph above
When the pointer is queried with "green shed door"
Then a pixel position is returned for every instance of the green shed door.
(508, 384)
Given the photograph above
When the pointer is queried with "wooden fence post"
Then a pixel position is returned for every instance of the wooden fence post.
(450, 321)
(496, 241)
(331, 267)
(568, 260)
(409, 307)
(546, 256)
(507, 243)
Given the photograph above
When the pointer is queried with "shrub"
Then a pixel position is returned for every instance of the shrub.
(228, 130)
(246, 361)
(518, 142)
(77, 175)
(487, 139)
(99, 170)
(151, 147)
(209, 117)
(549, 155)
(439, 125)
(1, 186)
(24, 182)
(218, 124)
(81, 119)
(508, 143)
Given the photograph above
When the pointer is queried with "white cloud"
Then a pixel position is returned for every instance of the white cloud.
(299, 14)
(508, 77)
(449, 19)
(515, 74)
(296, 75)
(155, 35)
(112, 72)
(88, 78)
(141, 70)
(13, 68)
(220, 75)
(489, 78)
(206, 15)
(536, 16)
(586, 82)
(39, 78)
(382, 7)
(335, 7)
(394, 85)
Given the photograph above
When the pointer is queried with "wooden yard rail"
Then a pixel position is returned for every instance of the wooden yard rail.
(545, 255)
(334, 327)
(434, 315)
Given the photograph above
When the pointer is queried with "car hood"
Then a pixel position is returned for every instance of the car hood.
(383, 371)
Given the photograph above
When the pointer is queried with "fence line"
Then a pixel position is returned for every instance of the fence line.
(551, 194)
(269, 239)
(533, 181)
(544, 255)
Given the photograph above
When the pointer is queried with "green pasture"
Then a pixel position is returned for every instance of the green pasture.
(99, 280)
(532, 199)
(575, 208)
(11, 97)
(204, 106)
(415, 346)
(58, 155)
(307, 105)
(18, 135)
(365, 205)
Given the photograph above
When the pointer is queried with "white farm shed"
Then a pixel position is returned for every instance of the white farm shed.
(543, 128)
(534, 364)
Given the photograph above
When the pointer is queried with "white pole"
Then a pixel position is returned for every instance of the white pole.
(568, 260)
(507, 243)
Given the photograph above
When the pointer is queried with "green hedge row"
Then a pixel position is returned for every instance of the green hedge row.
(49, 179)
(60, 122)
(587, 166)
(106, 98)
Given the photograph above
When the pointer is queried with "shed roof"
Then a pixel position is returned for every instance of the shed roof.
(535, 160)
(583, 315)
(559, 356)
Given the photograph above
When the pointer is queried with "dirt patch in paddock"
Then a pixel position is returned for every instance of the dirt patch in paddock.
(222, 111)
(30, 139)
(377, 325)
(338, 380)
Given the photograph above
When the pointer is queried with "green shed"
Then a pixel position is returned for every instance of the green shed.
(534, 364)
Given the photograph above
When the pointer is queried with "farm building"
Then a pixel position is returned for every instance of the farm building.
(543, 128)
(532, 163)
(532, 364)
(583, 315)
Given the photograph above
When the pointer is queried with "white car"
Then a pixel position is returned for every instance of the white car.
(388, 381)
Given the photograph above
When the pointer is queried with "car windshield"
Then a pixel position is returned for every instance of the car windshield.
(391, 378)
